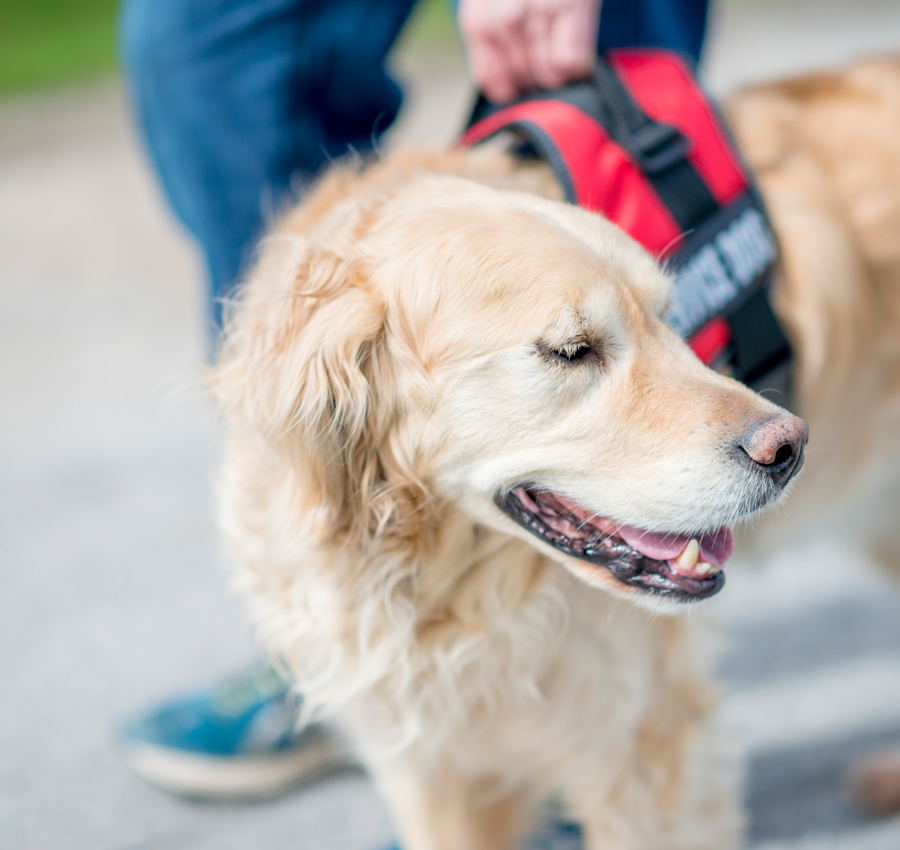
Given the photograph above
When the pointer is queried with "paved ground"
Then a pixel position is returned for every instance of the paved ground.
(114, 591)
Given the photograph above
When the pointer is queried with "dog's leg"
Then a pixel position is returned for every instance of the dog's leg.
(660, 806)
(436, 808)
(628, 826)
(668, 784)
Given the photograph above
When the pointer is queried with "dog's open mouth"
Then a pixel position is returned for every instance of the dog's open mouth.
(676, 566)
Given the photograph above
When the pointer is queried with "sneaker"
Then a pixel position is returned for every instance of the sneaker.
(556, 835)
(237, 741)
(553, 835)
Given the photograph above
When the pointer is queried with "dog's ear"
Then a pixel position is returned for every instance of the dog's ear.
(296, 372)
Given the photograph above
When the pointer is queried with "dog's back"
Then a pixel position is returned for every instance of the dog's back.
(826, 149)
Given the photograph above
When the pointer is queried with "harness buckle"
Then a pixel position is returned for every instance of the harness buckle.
(657, 147)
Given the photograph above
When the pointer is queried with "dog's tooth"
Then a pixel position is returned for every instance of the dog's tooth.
(687, 560)
(607, 526)
(704, 569)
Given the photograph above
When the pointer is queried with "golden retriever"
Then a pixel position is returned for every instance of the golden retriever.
(826, 150)
(472, 478)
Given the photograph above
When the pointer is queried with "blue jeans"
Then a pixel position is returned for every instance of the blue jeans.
(242, 101)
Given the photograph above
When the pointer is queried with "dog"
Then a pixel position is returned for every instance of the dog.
(826, 151)
(472, 481)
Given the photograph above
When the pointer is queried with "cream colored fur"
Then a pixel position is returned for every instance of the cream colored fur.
(826, 152)
(381, 380)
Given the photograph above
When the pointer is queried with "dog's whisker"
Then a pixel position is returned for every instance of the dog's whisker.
(681, 237)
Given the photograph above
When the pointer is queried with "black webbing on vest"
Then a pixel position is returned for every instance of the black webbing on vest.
(659, 151)
(759, 353)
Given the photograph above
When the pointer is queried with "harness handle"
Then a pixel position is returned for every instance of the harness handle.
(654, 146)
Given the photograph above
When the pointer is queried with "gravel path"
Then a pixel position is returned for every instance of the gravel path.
(114, 588)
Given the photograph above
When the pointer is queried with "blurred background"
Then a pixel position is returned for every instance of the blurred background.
(114, 590)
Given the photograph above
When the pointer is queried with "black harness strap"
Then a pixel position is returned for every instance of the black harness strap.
(724, 256)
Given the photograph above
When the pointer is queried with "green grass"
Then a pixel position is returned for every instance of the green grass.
(48, 42)
(432, 22)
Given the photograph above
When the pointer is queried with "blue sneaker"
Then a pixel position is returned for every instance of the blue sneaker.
(236, 742)
(553, 835)
(556, 835)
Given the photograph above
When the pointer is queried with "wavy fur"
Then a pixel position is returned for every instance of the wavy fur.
(380, 383)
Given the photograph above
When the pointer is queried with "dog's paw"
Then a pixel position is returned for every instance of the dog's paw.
(875, 782)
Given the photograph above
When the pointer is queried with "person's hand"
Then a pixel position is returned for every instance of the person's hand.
(514, 46)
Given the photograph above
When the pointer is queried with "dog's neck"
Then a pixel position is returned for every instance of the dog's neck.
(496, 618)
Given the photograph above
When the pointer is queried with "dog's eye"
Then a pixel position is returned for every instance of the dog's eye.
(572, 352)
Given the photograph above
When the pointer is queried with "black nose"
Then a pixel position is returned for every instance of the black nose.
(774, 446)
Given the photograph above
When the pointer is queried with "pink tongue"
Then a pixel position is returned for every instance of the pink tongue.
(715, 547)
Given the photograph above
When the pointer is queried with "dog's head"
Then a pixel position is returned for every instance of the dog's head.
(447, 344)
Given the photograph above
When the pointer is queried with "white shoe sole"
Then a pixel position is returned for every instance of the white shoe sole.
(233, 777)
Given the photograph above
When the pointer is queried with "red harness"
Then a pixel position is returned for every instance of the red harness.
(641, 143)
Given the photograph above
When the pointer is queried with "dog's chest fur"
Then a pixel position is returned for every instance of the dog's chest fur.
(486, 652)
